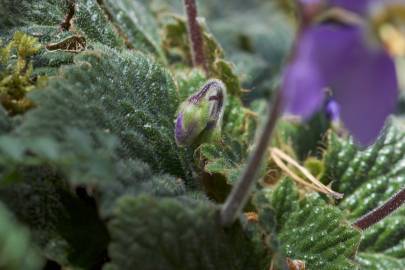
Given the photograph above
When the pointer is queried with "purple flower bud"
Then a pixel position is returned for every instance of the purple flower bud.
(200, 116)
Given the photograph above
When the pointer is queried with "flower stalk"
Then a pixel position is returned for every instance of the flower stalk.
(195, 35)
(238, 197)
(382, 211)
(241, 190)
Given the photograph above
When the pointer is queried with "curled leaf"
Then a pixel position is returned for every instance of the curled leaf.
(71, 44)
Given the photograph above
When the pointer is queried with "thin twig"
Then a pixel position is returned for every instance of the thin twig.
(382, 211)
(241, 190)
(195, 35)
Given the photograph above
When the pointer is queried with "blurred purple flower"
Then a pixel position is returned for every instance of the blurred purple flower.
(361, 76)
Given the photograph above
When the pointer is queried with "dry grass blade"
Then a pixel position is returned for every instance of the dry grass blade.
(282, 160)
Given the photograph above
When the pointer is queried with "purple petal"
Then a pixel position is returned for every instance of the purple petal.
(362, 78)
(302, 88)
(315, 64)
(367, 96)
(330, 47)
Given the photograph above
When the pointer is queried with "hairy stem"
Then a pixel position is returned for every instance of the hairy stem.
(382, 211)
(241, 190)
(195, 35)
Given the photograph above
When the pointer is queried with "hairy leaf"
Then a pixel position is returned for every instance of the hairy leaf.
(138, 24)
(368, 178)
(166, 234)
(307, 228)
(110, 106)
(104, 125)
(135, 177)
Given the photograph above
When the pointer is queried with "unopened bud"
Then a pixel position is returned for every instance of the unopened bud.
(199, 118)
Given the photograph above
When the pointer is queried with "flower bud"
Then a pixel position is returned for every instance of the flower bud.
(200, 116)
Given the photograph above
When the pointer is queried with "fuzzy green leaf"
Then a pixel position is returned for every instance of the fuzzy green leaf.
(132, 178)
(114, 114)
(166, 234)
(308, 229)
(367, 179)
(379, 261)
(227, 159)
(44, 18)
(138, 24)
(92, 21)
(112, 106)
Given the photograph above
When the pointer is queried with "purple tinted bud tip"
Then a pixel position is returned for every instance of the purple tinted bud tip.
(179, 132)
(332, 110)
